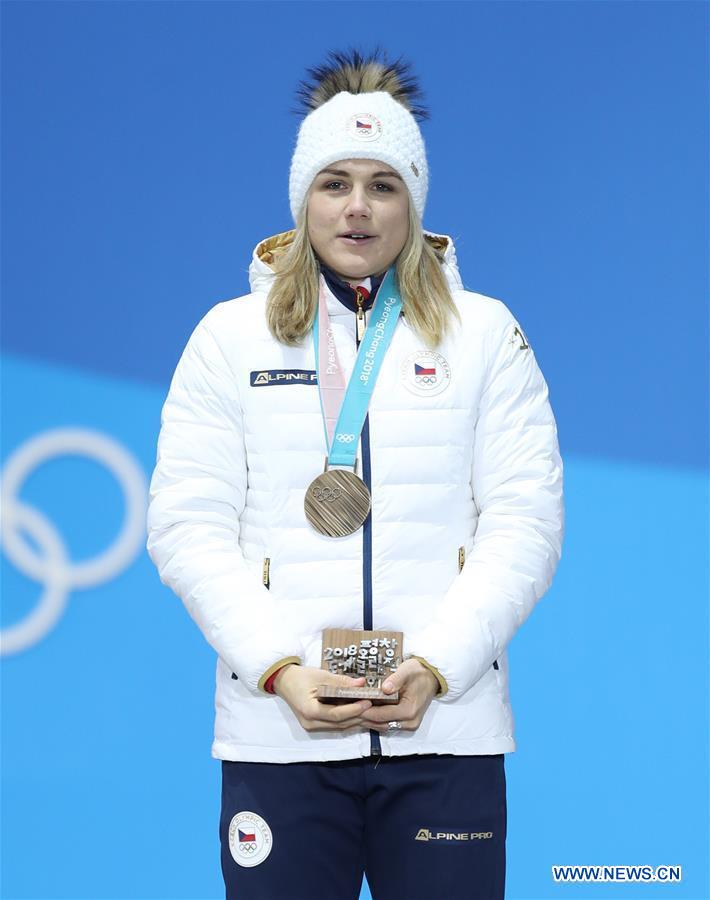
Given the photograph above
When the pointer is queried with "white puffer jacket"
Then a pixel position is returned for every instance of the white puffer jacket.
(464, 469)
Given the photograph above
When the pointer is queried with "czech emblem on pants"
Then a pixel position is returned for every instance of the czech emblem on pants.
(250, 839)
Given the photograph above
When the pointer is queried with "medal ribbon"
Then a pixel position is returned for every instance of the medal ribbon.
(342, 433)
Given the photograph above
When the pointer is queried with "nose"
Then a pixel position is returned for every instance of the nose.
(357, 204)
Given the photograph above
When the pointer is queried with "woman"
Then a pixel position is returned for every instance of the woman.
(451, 522)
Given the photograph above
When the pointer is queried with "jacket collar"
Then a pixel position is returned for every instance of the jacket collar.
(341, 297)
(346, 294)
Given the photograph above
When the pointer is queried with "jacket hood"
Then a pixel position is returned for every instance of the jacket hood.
(262, 275)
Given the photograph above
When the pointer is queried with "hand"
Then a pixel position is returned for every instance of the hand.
(417, 687)
(298, 685)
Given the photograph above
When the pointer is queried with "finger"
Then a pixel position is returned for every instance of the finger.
(407, 725)
(343, 680)
(340, 712)
(335, 712)
(323, 725)
(389, 712)
(337, 681)
(398, 679)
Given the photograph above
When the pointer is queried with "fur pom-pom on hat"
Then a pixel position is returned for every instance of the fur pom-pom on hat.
(360, 108)
(357, 74)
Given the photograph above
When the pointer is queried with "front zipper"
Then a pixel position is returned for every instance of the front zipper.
(375, 746)
(462, 560)
(267, 583)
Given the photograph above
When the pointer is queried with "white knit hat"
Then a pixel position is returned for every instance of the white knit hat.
(359, 126)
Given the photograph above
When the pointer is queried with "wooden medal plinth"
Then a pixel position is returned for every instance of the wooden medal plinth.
(374, 654)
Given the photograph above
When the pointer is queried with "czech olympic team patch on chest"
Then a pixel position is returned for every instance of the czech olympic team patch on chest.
(273, 377)
(250, 839)
(425, 373)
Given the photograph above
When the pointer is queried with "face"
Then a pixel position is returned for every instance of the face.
(358, 195)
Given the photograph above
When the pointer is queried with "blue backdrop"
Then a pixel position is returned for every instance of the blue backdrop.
(145, 152)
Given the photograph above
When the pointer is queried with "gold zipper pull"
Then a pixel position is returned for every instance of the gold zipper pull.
(360, 325)
(462, 557)
(360, 316)
(265, 571)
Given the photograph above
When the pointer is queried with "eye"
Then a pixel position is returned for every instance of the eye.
(380, 184)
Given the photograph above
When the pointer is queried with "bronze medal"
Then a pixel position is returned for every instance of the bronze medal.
(337, 502)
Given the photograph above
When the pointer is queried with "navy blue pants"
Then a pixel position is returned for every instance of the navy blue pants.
(424, 827)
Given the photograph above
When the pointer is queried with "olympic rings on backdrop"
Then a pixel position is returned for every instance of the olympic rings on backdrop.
(49, 566)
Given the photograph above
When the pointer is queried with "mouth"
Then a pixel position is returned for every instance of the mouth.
(353, 238)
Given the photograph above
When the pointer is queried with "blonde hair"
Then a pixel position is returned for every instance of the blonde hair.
(427, 304)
